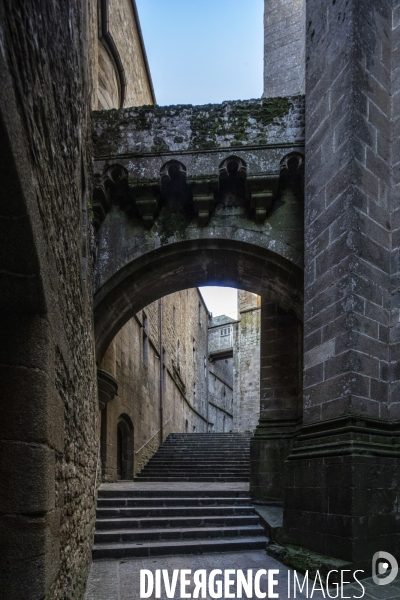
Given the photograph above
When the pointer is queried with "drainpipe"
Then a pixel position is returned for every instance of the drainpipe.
(207, 370)
(160, 325)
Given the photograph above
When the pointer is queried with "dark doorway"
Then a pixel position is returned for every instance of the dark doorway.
(124, 448)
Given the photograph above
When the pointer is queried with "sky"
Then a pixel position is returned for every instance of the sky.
(203, 51)
(200, 52)
(220, 300)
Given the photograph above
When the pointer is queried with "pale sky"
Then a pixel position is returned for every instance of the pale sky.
(220, 300)
(200, 52)
(203, 51)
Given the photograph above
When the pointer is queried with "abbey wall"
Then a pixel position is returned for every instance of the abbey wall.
(50, 422)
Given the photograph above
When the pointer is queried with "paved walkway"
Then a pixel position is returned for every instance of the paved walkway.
(119, 579)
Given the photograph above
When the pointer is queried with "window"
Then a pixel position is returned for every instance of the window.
(174, 316)
(225, 331)
(200, 323)
(194, 350)
(145, 341)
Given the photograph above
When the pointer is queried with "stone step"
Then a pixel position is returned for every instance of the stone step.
(209, 443)
(218, 476)
(172, 511)
(155, 523)
(166, 501)
(189, 462)
(209, 479)
(209, 435)
(207, 451)
(121, 536)
(161, 548)
(207, 448)
(202, 455)
(178, 522)
(190, 469)
(127, 493)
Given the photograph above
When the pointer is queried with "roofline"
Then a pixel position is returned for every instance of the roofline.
(144, 53)
(204, 303)
(224, 324)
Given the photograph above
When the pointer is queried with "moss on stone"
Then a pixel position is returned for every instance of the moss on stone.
(171, 223)
(233, 119)
(233, 123)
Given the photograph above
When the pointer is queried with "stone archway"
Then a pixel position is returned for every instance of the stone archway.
(222, 207)
(245, 266)
(190, 264)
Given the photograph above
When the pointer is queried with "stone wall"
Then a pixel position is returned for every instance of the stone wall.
(352, 52)
(246, 363)
(125, 29)
(284, 47)
(121, 74)
(49, 416)
(280, 401)
(108, 85)
(221, 394)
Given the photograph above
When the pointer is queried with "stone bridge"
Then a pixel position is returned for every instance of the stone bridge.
(194, 195)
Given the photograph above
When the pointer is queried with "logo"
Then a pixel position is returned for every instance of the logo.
(382, 563)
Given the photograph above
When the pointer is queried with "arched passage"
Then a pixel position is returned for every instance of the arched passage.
(237, 264)
(190, 264)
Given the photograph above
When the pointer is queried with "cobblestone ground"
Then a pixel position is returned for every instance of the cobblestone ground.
(119, 579)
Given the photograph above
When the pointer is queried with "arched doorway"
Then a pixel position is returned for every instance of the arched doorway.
(124, 448)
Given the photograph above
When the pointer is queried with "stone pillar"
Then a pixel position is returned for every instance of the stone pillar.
(280, 404)
(246, 363)
(284, 47)
(342, 475)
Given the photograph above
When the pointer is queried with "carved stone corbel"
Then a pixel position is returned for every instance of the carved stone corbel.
(146, 202)
(261, 191)
(101, 202)
(104, 186)
(203, 200)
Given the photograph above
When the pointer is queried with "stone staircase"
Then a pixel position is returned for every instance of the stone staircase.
(156, 523)
(149, 522)
(223, 457)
